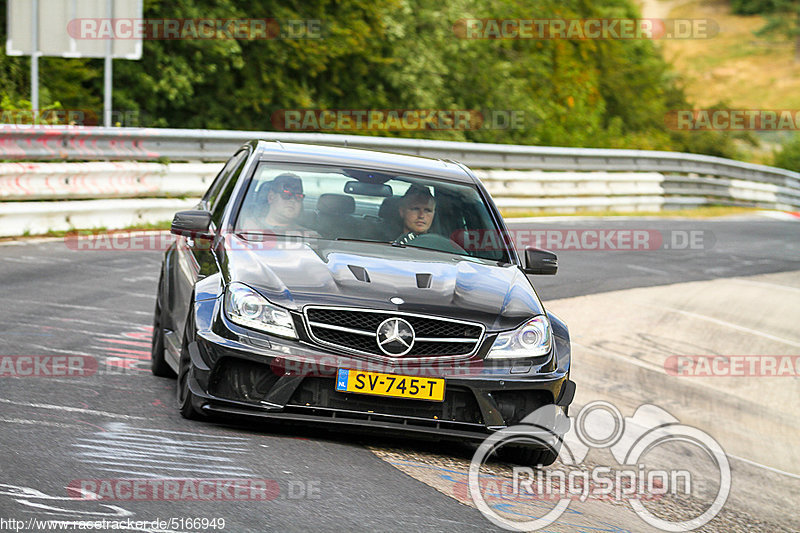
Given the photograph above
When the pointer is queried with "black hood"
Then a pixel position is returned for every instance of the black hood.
(368, 275)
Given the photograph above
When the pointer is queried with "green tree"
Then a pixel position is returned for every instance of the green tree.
(392, 54)
(788, 156)
(783, 18)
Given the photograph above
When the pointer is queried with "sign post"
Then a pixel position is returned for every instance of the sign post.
(35, 57)
(107, 72)
(59, 21)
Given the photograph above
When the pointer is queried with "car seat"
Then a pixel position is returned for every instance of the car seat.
(334, 216)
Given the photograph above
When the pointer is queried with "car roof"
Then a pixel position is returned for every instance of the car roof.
(361, 158)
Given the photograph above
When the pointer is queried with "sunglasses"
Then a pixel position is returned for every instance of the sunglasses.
(288, 195)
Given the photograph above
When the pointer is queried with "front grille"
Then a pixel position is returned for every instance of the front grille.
(356, 331)
(459, 404)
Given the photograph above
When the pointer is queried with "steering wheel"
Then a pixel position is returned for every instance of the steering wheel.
(434, 241)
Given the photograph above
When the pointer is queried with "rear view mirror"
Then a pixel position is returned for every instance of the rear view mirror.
(192, 223)
(542, 262)
(367, 189)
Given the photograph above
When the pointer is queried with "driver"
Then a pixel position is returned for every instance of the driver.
(285, 200)
(417, 208)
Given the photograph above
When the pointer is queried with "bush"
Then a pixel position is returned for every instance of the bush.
(789, 155)
(752, 7)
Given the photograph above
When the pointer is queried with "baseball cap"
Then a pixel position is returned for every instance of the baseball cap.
(287, 182)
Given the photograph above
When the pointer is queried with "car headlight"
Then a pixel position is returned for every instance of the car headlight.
(246, 307)
(531, 339)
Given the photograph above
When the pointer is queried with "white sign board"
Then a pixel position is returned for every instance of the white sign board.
(58, 23)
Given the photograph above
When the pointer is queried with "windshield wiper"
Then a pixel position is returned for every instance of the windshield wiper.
(347, 239)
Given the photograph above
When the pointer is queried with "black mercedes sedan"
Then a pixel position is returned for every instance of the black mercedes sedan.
(360, 290)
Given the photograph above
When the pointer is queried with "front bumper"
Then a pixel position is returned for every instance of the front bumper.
(237, 372)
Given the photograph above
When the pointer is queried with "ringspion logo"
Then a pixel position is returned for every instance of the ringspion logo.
(507, 502)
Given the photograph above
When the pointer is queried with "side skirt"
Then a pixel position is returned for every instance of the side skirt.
(172, 349)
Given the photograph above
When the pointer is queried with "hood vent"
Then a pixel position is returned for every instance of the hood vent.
(424, 281)
(359, 272)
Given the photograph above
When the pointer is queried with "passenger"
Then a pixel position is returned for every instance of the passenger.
(417, 208)
(285, 200)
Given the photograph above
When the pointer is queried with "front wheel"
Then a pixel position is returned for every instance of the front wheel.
(158, 364)
(528, 456)
(184, 395)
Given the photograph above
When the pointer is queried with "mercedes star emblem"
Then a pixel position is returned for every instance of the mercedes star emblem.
(395, 337)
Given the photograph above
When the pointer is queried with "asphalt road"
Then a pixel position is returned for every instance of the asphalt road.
(697, 250)
(121, 422)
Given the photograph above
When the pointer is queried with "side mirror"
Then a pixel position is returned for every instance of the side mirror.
(540, 262)
(192, 224)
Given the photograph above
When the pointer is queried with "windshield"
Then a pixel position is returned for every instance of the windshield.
(322, 202)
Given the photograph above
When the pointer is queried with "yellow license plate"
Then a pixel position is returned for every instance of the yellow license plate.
(419, 388)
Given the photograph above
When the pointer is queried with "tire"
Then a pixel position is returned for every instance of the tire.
(528, 456)
(158, 364)
(184, 395)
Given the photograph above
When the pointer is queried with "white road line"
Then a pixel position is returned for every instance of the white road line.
(72, 409)
(20, 260)
(56, 350)
(650, 270)
(765, 467)
(120, 429)
(724, 323)
(103, 451)
(37, 423)
(106, 321)
(623, 358)
(767, 284)
(25, 241)
(85, 307)
(112, 440)
(191, 464)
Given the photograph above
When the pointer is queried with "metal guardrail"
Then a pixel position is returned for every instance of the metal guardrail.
(76, 181)
(113, 194)
(67, 143)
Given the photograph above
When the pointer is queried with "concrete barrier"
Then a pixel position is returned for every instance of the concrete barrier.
(36, 218)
